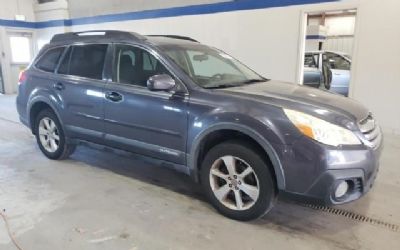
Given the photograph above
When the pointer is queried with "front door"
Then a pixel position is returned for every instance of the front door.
(340, 68)
(152, 123)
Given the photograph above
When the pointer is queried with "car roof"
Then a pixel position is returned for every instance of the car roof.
(107, 36)
(166, 40)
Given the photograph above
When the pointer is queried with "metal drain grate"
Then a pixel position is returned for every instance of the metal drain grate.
(354, 216)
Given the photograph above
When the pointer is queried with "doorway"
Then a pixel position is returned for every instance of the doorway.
(328, 50)
(21, 51)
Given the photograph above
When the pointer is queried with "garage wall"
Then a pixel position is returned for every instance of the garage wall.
(339, 43)
(79, 8)
(376, 69)
(339, 32)
(270, 41)
(8, 9)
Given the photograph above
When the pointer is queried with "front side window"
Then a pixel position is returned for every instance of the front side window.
(335, 61)
(211, 68)
(133, 65)
(48, 62)
(85, 61)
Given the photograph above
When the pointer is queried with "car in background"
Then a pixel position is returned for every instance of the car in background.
(328, 70)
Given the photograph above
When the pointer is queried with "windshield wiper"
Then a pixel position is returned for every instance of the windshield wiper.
(222, 86)
(254, 81)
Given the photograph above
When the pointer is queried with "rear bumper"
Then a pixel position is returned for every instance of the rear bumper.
(313, 171)
(22, 112)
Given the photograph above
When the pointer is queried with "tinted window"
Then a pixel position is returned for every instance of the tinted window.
(64, 66)
(48, 62)
(311, 60)
(85, 60)
(335, 61)
(135, 66)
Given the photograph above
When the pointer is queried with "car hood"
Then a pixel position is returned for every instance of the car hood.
(314, 101)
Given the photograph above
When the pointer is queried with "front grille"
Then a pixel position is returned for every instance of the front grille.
(372, 135)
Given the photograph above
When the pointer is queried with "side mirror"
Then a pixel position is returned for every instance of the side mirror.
(162, 82)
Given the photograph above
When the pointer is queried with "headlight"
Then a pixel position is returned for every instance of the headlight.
(321, 130)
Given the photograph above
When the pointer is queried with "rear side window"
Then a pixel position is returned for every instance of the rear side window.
(85, 61)
(311, 60)
(335, 61)
(48, 62)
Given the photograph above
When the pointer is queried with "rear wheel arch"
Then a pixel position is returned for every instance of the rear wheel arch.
(36, 108)
(223, 132)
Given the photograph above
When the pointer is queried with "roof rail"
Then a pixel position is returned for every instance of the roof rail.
(90, 34)
(176, 37)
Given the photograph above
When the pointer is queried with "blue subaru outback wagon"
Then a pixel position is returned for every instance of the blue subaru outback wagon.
(245, 138)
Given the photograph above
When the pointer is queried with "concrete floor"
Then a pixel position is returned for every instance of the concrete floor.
(102, 200)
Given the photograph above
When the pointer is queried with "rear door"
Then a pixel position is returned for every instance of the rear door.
(81, 85)
(152, 123)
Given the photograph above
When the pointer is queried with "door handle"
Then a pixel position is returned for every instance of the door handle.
(114, 96)
(58, 86)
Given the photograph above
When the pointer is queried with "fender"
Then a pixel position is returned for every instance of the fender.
(35, 98)
(194, 152)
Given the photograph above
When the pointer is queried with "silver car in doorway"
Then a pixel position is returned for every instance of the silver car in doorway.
(327, 70)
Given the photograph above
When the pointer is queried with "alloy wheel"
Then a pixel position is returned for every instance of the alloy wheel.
(49, 135)
(234, 183)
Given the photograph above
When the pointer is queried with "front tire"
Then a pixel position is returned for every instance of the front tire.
(50, 136)
(237, 181)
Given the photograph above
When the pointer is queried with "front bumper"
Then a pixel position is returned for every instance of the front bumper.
(313, 171)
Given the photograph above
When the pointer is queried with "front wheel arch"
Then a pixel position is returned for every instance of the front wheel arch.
(254, 136)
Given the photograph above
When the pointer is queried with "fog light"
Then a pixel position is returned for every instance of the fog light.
(341, 189)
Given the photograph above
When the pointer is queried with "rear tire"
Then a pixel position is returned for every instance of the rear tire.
(237, 181)
(50, 136)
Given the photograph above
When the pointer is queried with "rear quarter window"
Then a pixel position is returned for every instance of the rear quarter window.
(48, 62)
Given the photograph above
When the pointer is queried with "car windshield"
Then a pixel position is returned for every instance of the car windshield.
(211, 68)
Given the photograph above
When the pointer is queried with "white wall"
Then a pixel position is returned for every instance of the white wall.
(340, 34)
(340, 26)
(51, 11)
(340, 44)
(84, 8)
(271, 42)
(8, 9)
(248, 35)
(57, 10)
(377, 65)
(268, 40)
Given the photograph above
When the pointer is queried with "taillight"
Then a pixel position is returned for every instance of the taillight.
(22, 77)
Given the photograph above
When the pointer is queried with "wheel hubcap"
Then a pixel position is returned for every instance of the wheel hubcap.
(49, 135)
(234, 183)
